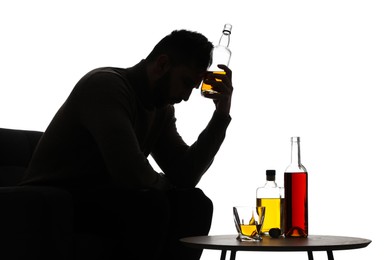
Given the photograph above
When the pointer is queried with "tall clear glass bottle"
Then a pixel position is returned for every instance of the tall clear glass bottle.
(296, 194)
(269, 196)
(221, 55)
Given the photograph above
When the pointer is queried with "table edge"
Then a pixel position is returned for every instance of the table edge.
(244, 247)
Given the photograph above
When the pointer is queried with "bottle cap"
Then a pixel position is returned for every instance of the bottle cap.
(270, 175)
(227, 29)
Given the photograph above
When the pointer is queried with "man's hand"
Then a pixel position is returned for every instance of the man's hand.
(222, 83)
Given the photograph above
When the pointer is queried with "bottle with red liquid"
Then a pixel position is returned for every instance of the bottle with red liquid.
(296, 195)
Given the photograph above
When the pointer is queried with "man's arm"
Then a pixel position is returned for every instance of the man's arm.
(185, 165)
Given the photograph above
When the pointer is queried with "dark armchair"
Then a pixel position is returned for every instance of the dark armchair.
(35, 222)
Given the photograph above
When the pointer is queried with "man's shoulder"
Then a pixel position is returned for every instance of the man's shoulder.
(106, 72)
(103, 78)
(106, 84)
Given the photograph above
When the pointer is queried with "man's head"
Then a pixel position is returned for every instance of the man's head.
(177, 65)
(184, 48)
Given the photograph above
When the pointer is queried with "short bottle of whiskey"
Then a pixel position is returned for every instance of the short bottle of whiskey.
(270, 196)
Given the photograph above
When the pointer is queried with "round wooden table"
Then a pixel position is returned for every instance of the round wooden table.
(311, 243)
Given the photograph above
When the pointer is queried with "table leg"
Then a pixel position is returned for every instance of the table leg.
(330, 255)
(232, 255)
(223, 255)
(310, 255)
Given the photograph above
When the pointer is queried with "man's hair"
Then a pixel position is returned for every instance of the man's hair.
(185, 48)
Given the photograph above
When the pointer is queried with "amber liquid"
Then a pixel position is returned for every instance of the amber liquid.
(296, 201)
(208, 89)
(249, 230)
(273, 213)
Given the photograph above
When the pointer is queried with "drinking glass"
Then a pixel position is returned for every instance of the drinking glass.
(249, 221)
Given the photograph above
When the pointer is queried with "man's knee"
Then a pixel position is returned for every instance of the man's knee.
(203, 201)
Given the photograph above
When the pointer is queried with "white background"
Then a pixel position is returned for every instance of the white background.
(315, 69)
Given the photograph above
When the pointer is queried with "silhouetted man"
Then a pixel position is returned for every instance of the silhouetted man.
(97, 146)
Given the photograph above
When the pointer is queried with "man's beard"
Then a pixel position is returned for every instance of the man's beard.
(161, 91)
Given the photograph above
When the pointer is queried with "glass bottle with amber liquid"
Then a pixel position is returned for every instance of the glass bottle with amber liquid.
(270, 196)
(221, 55)
(296, 194)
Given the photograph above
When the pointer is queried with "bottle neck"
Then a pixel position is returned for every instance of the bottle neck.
(295, 151)
(295, 165)
(225, 39)
(270, 184)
